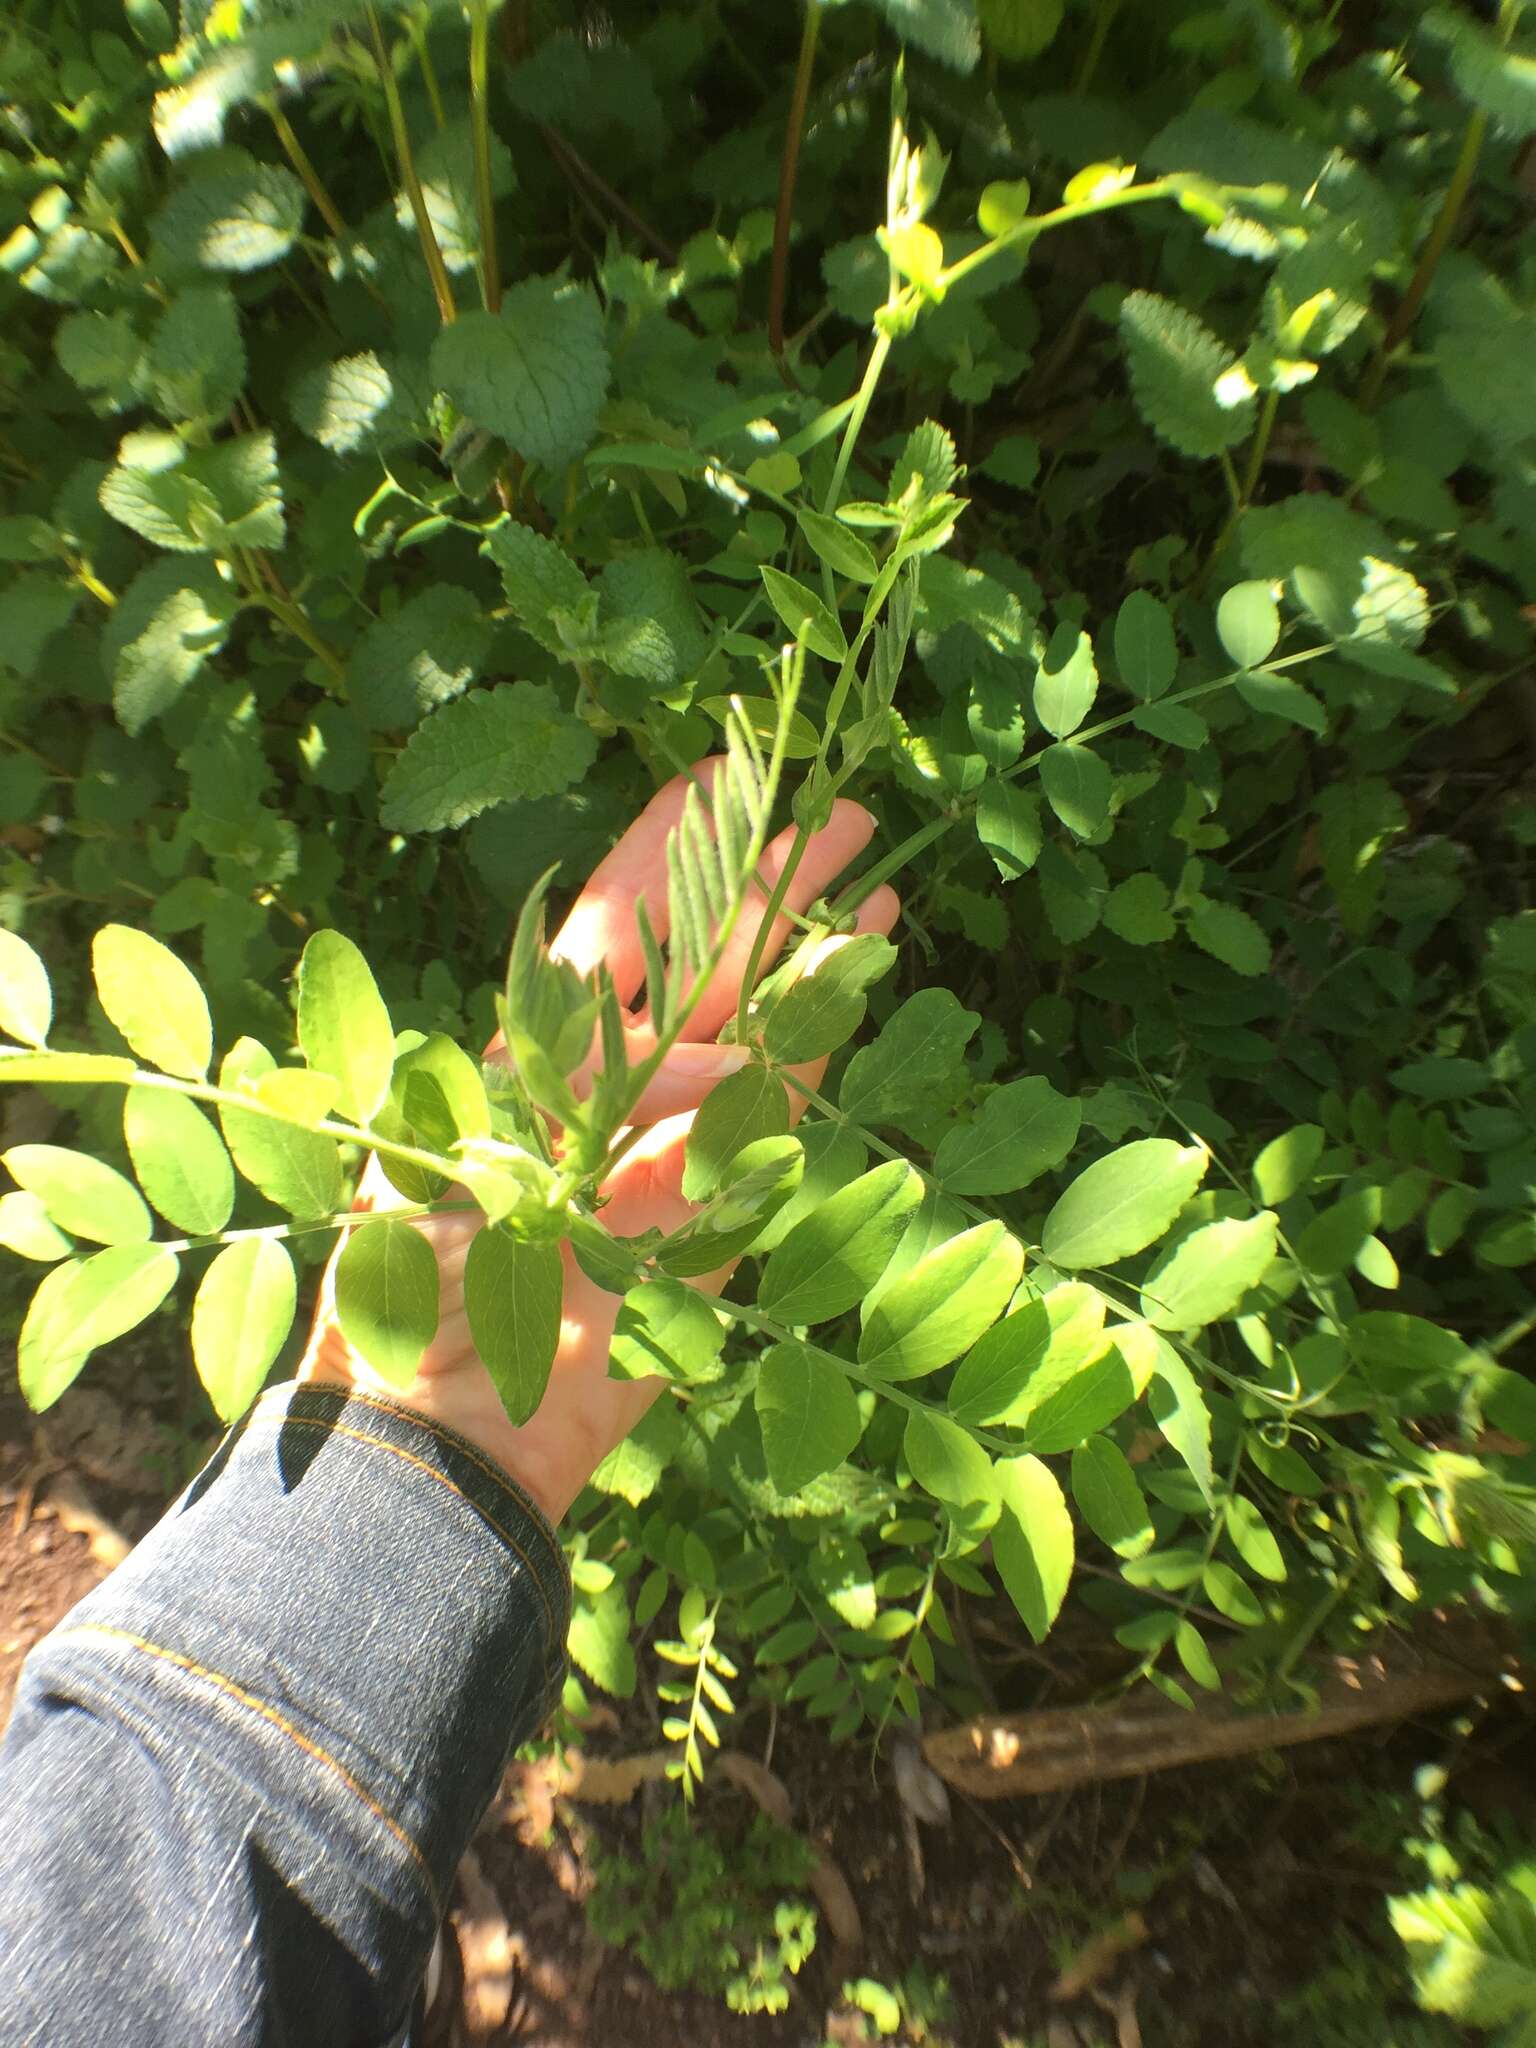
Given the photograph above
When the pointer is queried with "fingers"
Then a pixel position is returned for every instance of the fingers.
(827, 853)
(601, 929)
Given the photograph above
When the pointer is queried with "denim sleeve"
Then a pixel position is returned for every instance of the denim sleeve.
(240, 1774)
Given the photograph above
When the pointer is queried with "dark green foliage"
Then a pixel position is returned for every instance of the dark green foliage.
(401, 485)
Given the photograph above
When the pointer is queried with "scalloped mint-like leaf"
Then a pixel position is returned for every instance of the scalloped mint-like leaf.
(423, 655)
(238, 219)
(536, 374)
(512, 741)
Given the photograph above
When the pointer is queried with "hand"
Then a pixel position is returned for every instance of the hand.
(584, 1413)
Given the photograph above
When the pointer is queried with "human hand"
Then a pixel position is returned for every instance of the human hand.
(584, 1414)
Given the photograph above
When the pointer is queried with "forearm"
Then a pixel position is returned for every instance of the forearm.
(241, 1773)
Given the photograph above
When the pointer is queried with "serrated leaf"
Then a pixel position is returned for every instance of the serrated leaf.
(941, 1306)
(804, 614)
(386, 1286)
(535, 374)
(1033, 1545)
(510, 741)
(26, 998)
(1230, 935)
(830, 1259)
(179, 1159)
(513, 1293)
(945, 29)
(1207, 1274)
(83, 1304)
(232, 220)
(808, 1415)
(344, 1028)
(1122, 1203)
(102, 353)
(1472, 1953)
(1176, 363)
(425, 654)
(1146, 652)
(1023, 1129)
(599, 1641)
(366, 401)
(1140, 911)
(154, 1000)
(445, 170)
(198, 500)
(172, 618)
(1078, 787)
(196, 360)
(241, 1317)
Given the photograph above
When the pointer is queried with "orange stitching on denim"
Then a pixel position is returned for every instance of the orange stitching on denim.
(287, 1419)
(267, 1713)
(444, 1435)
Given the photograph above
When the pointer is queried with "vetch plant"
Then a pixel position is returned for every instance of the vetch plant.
(1138, 523)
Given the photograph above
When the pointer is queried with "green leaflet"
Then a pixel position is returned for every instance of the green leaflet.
(1207, 1274)
(26, 999)
(179, 1159)
(1023, 1130)
(1109, 1499)
(344, 1027)
(1121, 1204)
(946, 1461)
(1008, 826)
(241, 1317)
(387, 1296)
(803, 613)
(512, 1296)
(82, 1195)
(1146, 651)
(808, 1415)
(536, 374)
(26, 1230)
(667, 1328)
(826, 1007)
(1077, 787)
(915, 1054)
(297, 1169)
(736, 1113)
(153, 1000)
(831, 1258)
(1033, 1544)
(1066, 681)
(938, 1309)
(1248, 621)
(83, 1304)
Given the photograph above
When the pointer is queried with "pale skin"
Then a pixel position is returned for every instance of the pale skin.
(584, 1414)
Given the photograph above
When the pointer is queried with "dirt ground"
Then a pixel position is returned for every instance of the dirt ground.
(1195, 1909)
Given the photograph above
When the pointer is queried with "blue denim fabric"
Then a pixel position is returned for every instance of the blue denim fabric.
(240, 1774)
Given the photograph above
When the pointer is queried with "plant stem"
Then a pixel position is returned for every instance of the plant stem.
(789, 164)
(437, 270)
(851, 432)
(1429, 257)
(1259, 449)
(480, 120)
(417, 30)
(1104, 21)
(877, 1145)
(298, 156)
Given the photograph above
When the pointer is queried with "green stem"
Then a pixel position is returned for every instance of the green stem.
(1104, 21)
(298, 156)
(417, 30)
(865, 393)
(1429, 257)
(437, 270)
(789, 163)
(411, 1213)
(877, 1145)
(1259, 449)
(480, 119)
